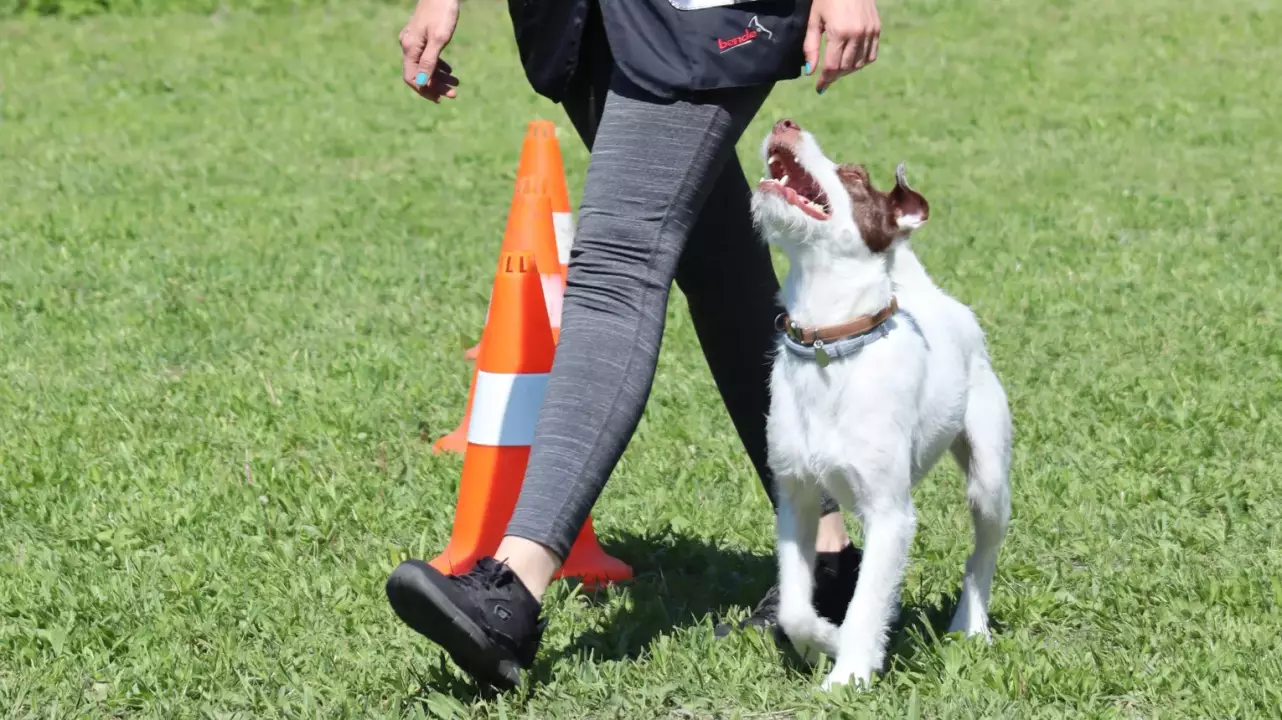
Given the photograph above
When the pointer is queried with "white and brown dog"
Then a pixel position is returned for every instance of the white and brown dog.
(878, 373)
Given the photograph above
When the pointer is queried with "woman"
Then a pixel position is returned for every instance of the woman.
(660, 91)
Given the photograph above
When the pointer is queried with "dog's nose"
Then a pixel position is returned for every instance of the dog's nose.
(786, 131)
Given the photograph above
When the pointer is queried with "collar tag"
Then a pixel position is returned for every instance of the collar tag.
(821, 355)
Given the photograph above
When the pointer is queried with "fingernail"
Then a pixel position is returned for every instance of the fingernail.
(806, 68)
(420, 79)
(821, 90)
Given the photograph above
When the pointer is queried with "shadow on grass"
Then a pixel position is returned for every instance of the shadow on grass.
(680, 581)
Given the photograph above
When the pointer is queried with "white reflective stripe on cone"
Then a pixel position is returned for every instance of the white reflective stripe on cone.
(553, 295)
(563, 225)
(504, 408)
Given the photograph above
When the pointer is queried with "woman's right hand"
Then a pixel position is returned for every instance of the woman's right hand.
(852, 28)
(428, 31)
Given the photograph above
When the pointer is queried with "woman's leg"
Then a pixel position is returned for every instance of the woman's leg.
(729, 283)
(652, 168)
(728, 279)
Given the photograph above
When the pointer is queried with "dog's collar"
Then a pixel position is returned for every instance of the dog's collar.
(822, 343)
(832, 333)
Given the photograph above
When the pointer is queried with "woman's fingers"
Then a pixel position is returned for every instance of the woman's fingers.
(870, 36)
(850, 56)
(441, 85)
(810, 48)
(422, 39)
(852, 30)
(836, 47)
(430, 76)
(412, 45)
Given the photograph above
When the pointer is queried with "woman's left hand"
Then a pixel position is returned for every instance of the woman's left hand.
(852, 28)
(428, 31)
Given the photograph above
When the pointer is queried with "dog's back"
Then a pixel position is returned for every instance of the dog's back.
(956, 357)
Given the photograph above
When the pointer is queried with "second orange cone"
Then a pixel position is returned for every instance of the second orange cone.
(541, 160)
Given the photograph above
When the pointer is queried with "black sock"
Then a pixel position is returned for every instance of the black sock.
(835, 564)
(835, 576)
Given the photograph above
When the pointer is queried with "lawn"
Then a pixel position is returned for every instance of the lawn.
(239, 261)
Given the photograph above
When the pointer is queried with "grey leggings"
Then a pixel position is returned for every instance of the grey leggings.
(665, 198)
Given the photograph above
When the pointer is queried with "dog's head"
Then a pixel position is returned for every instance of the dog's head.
(811, 202)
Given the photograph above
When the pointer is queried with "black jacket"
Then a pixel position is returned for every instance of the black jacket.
(660, 47)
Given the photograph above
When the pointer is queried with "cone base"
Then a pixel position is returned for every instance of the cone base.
(590, 563)
(453, 442)
(456, 562)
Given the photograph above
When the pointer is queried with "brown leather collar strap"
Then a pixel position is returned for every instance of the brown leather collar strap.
(832, 333)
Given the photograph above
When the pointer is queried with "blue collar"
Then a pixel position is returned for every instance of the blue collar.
(824, 352)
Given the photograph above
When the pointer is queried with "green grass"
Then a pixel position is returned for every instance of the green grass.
(239, 260)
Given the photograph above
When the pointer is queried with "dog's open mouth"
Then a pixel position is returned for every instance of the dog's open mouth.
(791, 182)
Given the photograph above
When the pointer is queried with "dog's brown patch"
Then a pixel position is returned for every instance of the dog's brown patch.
(877, 213)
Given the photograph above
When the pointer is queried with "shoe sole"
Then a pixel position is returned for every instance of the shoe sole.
(423, 606)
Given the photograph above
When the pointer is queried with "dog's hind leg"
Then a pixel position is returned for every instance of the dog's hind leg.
(983, 451)
(798, 526)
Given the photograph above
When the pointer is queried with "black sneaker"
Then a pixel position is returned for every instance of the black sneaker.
(486, 620)
(836, 574)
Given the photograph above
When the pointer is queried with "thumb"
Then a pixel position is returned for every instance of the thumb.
(427, 61)
(810, 48)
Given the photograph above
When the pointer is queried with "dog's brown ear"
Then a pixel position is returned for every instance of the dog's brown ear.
(907, 206)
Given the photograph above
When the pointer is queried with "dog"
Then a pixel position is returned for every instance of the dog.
(877, 374)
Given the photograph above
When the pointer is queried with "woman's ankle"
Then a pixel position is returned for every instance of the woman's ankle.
(832, 535)
(532, 563)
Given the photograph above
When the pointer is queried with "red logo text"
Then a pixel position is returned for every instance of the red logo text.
(748, 36)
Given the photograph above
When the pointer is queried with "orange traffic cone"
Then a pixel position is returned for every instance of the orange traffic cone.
(511, 379)
(529, 228)
(541, 158)
(455, 441)
(589, 562)
(511, 376)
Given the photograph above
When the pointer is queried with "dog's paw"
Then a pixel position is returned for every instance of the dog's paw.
(808, 649)
(859, 678)
(970, 627)
(811, 637)
(970, 622)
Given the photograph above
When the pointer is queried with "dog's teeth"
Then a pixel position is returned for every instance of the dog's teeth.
(773, 159)
(784, 179)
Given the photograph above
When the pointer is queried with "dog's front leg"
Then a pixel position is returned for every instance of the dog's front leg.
(888, 536)
(798, 525)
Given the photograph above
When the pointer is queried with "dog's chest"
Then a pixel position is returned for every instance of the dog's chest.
(823, 420)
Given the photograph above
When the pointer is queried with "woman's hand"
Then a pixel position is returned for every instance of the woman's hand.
(428, 31)
(852, 27)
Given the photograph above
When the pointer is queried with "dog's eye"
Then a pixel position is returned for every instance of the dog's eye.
(854, 173)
